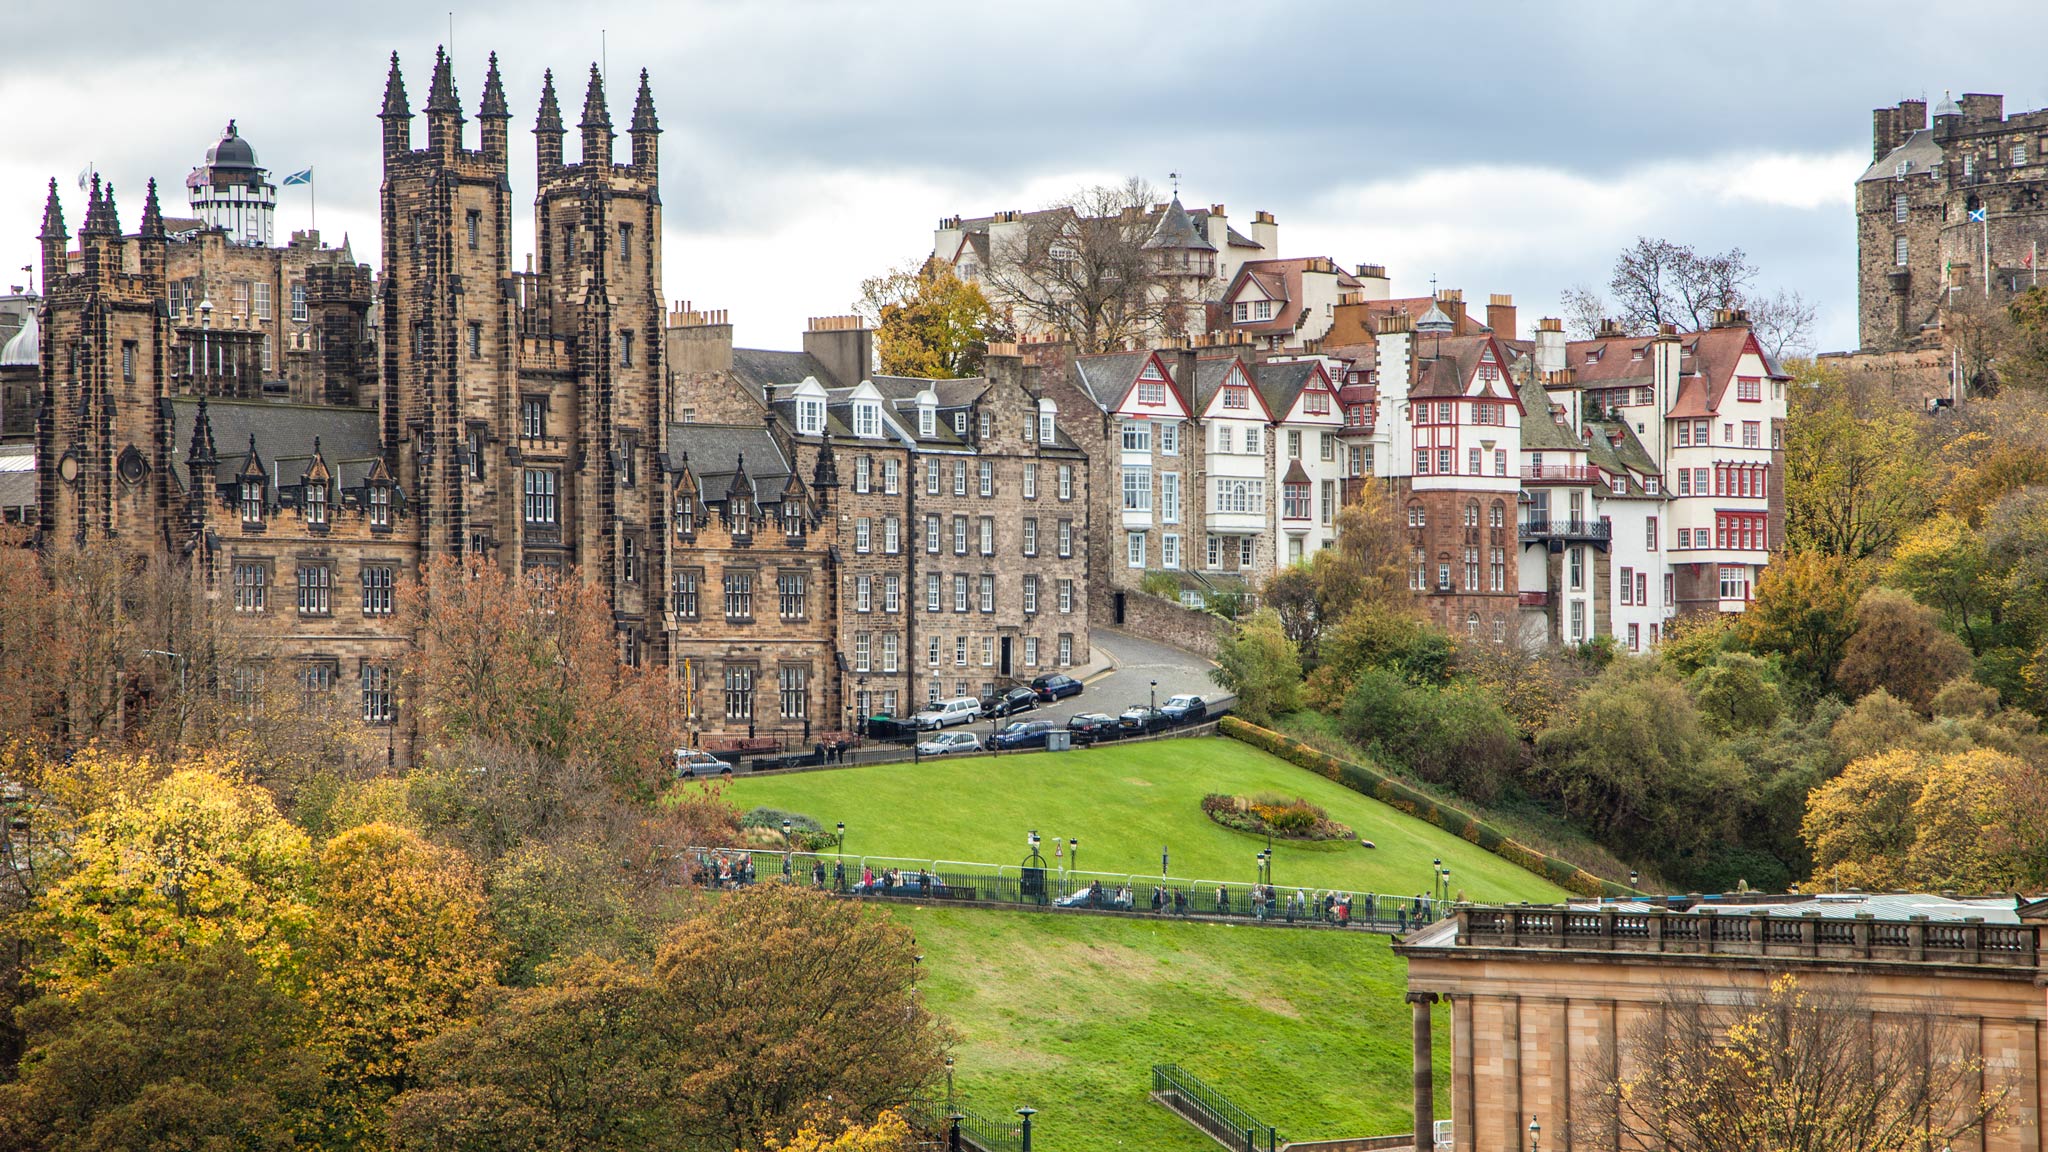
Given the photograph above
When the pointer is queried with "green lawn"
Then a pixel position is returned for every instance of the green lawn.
(1068, 1013)
(1124, 802)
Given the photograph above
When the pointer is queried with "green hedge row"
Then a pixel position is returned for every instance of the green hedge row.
(1394, 793)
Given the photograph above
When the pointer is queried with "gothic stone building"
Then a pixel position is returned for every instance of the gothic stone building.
(1949, 213)
(306, 438)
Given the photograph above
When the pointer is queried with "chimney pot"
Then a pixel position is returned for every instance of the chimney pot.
(1550, 324)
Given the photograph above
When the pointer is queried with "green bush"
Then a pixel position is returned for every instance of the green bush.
(1395, 794)
(772, 818)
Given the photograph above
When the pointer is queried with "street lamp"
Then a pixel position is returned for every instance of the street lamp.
(1074, 853)
(1155, 695)
(1631, 878)
(1536, 1133)
(842, 841)
(949, 1083)
(1436, 873)
(1447, 887)
(785, 835)
(1028, 1113)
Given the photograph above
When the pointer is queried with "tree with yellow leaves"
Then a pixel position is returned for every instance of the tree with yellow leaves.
(401, 949)
(888, 1133)
(928, 322)
(199, 856)
(1971, 820)
(1801, 1065)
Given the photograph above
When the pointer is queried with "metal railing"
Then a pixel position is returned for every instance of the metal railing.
(1562, 473)
(1568, 528)
(1211, 1111)
(1047, 886)
(961, 1129)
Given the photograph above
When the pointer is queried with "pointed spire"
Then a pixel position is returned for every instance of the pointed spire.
(493, 107)
(201, 451)
(441, 96)
(594, 114)
(395, 104)
(550, 117)
(92, 209)
(53, 215)
(152, 212)
(110, 217)
(825, 474)
(643, 108)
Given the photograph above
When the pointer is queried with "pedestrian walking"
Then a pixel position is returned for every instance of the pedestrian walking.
(1223, 900)
(839, 876)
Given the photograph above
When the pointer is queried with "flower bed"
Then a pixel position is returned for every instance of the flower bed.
(1280, 817)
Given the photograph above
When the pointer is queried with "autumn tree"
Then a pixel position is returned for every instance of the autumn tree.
(1079, 270)
(1804, 613)
(401, 947)
(532, 661)
(200, 856)
(197, 1050)
(1656, 282)
(1945, 566)
(1971, 820)
(1856, 475)
(1257, 662)
(1804, 1065)
(1901, 646)
(766, 1011)
(928, 322)
(1736, 694)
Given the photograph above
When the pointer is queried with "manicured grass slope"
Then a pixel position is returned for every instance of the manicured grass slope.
(1069, 1013)
(1123, 802)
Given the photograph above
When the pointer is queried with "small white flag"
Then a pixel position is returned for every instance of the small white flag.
(84, 177)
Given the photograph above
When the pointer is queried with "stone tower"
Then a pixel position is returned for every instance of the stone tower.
(449, 345)
(102, 456)
(592, 318)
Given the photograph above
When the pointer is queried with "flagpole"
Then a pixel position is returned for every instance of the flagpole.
(313, 199)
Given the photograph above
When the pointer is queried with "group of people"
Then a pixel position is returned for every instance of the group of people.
(725, 870)
(894, 882)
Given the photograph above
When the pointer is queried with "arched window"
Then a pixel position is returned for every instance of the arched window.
(1499, 514)
(1471, 513)
(1472, 624)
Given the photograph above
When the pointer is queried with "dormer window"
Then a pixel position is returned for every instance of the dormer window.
(380, 506)
(740, 514)
(316, 502)
(252, 500)
(792, 516)
(686, 516)
(927, 420)
(1046, 411)
(810, 416)
(960, 424)
(867, 419)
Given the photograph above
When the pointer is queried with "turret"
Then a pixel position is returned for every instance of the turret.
(646, 130)
(200, 462)
(492, 116)
(54, 237)
(547, 127)
(444, 110)
(397, 115)
(596, 123)
(151, 244)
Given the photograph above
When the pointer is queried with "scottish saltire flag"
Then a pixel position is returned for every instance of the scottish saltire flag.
(302, 177)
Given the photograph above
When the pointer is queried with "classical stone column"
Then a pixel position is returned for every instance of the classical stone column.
(1425, 1073)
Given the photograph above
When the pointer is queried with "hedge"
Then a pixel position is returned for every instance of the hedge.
(1398, 795)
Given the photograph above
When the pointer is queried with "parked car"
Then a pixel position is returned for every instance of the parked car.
(1023, 734)
(884, 727)
(940, 743)
(1010, 703)
(1142, 718)
(694, 762)
(1089, 727)
(1185, 708)
(946, 713)
(1055, 685)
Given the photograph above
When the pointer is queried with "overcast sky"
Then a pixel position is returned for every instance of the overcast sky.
(1498, 145)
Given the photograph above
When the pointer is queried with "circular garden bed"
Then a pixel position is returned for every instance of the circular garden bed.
(1270, 814)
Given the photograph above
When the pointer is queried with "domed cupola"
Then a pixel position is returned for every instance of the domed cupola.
(233, 193)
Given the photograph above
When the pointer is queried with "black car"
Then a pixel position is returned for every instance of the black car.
(1010, 703)
(1185, 709)
(1091, 726)
(1142, 718)
(1022, 734)
(1055, 685)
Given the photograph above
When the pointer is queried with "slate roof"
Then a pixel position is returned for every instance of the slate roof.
(1176, 232)
(1281, 384)
(757, 368)
(1540, 430)
(1613, 446)
(1279, 280)
(1919, 150)
(1106, 376)
(1210, 373)
(1453, 361)
(715, 450)
(282, 431)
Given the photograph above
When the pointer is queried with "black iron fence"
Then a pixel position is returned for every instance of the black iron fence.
(959, 1128)
(1047, 885)
(1211, 1111)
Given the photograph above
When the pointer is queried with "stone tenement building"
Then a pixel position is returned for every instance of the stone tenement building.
(306, 437)
(1947, 214)
(1544, 1002)
(963, 556)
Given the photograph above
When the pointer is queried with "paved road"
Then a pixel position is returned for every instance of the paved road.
(1138, 663)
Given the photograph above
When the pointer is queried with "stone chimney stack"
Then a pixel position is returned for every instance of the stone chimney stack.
(697, 342)
(1549, 353)
(844, 345)
(1266, 234)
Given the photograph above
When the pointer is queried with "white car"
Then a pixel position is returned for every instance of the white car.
(697, 762)
(946, 713)
(940, 743)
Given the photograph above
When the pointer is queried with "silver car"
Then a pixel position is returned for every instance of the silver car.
(943, 742)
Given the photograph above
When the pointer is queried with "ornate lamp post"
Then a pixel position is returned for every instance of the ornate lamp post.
(1536, 1133)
